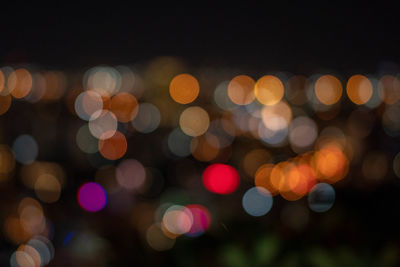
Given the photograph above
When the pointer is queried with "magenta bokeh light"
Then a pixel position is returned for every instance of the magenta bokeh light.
(92, 197)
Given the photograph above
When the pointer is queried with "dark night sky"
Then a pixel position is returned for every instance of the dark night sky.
(285, 36)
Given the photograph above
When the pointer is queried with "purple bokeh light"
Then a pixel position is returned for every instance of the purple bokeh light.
(92, 197)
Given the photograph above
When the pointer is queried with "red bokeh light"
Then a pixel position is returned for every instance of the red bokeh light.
(220, 178)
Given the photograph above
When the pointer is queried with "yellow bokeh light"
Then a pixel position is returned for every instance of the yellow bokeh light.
(184, 88)
(328, 89)
(194, 121)
(269, 90)
(359, 89)
(241, 90)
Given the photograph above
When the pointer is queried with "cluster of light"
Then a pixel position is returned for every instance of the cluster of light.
(38, 251)
(173, 221)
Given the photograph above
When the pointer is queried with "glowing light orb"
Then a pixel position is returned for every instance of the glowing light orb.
(201, 220)
(321, 197)
(257, 201)
(220, 179)
(92, 197)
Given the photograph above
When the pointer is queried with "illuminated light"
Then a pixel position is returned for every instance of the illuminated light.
(30, 173)
(194, 121)
(184, 88)
(19, 83)
(147, 119)
(55, 85)
(124, 106)
(375, 166)
(202, 149)
(220, 178)
(328, 89)
(5, 103)
(14, 230)
(113, 148)
(6, 72)
(25, 149)
(32, 252)
(157, 239)
(271, 137)
(396, 165)
(389, 89)
(361, 122)
(31, 216)
(92, 197)
(254, 159)
(103, 124)
(85, 140)
(201, 220)
(276, 117)
(321, 197)
(179, 143)
(295, 216)
(88, 103)
(257, 201)
(44, 247)
(359, 89)
(302, 134)
(7, 162)
(331, 164)
(221, 97)
(296, 88)
(130, 174)
(269, 90)
(241, 90)
(106, 177)
(301, 179)
(104, 80)
(178, 219)
(21, 259)
(288, 181)
(47, 188)
(263, 178)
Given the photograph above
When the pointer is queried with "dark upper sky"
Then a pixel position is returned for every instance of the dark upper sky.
(284, 36)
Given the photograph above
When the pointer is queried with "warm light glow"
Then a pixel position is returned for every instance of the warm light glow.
(328, 89)
(19, 83)
(269, 90)
(124, 106)
(113, 148)
(241, 90)
(5, 103)
(184, 88)
(359, 89)
(194, 121)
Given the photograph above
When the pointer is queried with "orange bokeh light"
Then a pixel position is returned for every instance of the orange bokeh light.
(124, 106)
(113, 148)
(328, 89)
(184, 88)
(241, 90)
(359, 89)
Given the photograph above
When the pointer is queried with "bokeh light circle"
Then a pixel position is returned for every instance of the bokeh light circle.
(220, 178)
(92, 197)
(269, 90)
(257, 201)
(321, 197)
(328, 89)
(194, 121)
(25, 149)
(184, 88)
